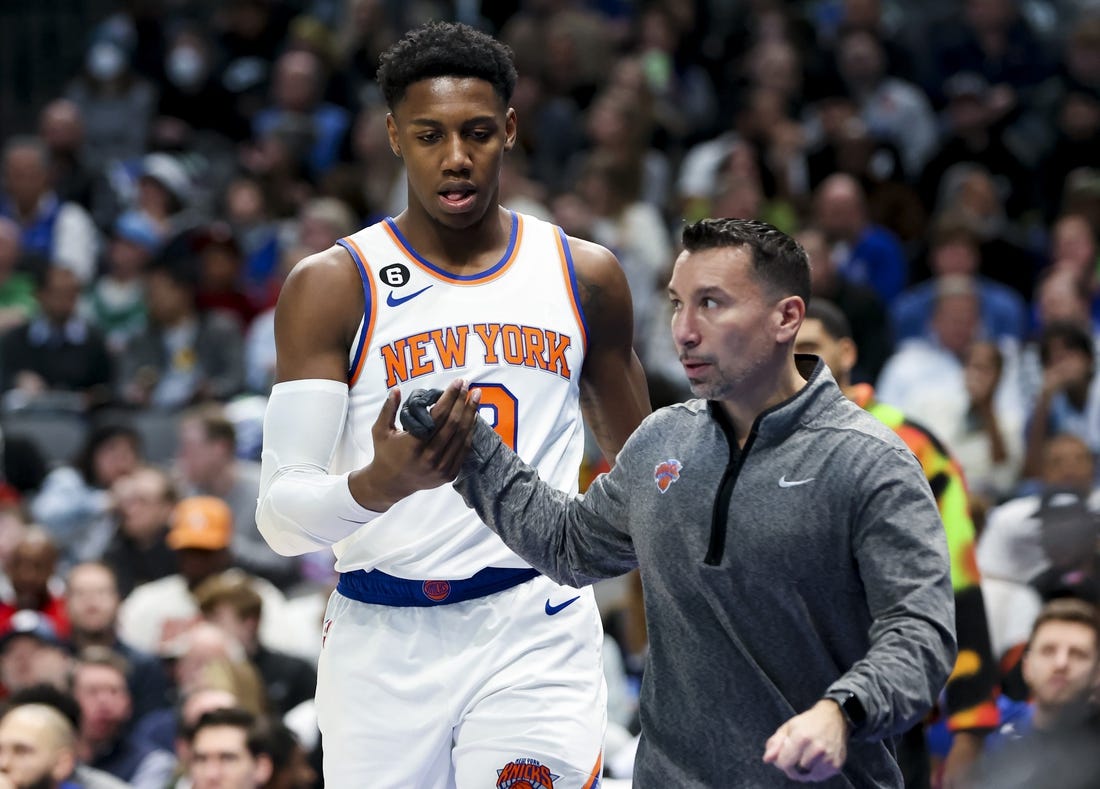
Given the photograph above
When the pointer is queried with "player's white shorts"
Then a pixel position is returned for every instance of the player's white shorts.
(498, 691)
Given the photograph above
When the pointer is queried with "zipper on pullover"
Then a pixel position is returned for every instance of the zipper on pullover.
(720, 513)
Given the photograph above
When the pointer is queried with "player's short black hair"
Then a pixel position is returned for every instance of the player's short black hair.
(832, 319)
(778, 260)
(445, 49)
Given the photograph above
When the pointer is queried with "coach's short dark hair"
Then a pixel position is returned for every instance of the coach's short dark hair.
(832, 319)
(445, 49)
(778, 260)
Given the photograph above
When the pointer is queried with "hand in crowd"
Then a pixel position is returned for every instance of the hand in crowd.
(966, 749)
(1062, 373)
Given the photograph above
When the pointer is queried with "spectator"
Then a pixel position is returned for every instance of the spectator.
(171, 729)
(247, 211)
(1011, 553)
(619, 124)
(972, 137)
(30, 571)
(61, 701)
(17, 302)
(893, 109)
(32, 653)
(1069, 400)
(1073, 250)
(155, 613)
(138, 551)
(59, 232)
(59, 357)
(616, 217)
(923, 370)
(61, 128)
(986, 439)
(190, 91)
(859, 303)
(74, 501)
(208, 465)
(37, 748)
(221, 269)
(1052, 742)
(290, 761)
(234, 606)
(164, 193)
(116, 300)
(183, 356)
(117, 103)
(92, 601)
(996, 41)
(297, 92)
(206, 656)
(105, 740)
(970, 193)
(864, 253)
(956, 249)
(230, 748)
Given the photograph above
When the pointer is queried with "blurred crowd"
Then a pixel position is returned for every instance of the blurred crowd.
(940, 163)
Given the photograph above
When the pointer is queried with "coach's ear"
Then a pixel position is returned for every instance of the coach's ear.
(788, 315)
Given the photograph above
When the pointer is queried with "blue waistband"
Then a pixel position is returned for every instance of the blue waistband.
(379, 588)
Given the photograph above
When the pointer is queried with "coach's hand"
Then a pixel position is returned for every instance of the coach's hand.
(812, 746)
(403, 463)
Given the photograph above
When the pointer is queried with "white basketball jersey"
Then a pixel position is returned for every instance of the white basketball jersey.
(515, 330)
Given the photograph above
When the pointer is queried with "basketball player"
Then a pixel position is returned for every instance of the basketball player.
(446, 659)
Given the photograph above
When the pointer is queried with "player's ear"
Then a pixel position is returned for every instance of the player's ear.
(510, 129)
(391, 132)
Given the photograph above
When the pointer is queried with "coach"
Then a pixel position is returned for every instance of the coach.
(796, 576)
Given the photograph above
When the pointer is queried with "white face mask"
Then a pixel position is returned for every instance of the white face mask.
(185, 66)
(105, 61)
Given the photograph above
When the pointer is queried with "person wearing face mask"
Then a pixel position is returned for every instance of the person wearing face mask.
(116, 103)
(189, 91)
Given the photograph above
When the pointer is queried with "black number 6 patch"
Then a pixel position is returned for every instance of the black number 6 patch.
(395, 276)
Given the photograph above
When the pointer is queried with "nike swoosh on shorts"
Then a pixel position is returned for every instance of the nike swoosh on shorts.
(553, 609)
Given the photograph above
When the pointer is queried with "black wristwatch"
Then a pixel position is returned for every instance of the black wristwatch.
(850, 707)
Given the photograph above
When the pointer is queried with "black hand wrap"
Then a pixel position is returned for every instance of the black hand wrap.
(415, 418)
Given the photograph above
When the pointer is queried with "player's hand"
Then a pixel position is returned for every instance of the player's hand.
(404, 464)
(812, 746)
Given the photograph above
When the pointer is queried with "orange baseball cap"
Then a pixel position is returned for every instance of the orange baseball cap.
(203, 522)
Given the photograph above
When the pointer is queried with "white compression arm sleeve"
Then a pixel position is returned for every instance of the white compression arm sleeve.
(302, 507)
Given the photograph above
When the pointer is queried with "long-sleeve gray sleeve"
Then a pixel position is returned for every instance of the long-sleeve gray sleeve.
(901, 551)
(575, 540)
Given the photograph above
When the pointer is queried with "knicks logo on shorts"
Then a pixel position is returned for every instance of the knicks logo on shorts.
(437, 590)
(666, 473)
(525, 774)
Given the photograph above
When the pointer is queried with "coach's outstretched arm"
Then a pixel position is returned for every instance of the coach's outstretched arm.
(576, 540)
